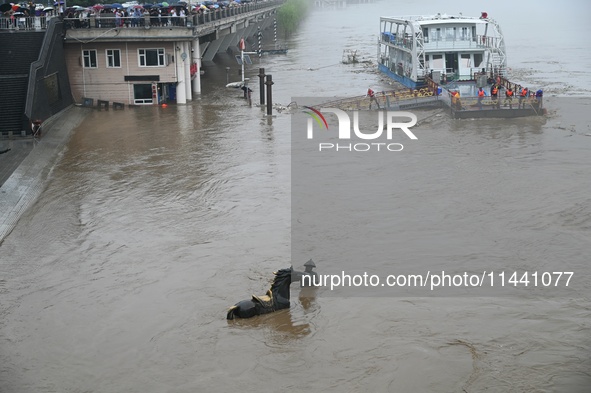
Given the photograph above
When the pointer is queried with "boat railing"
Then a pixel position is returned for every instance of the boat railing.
(478, 42)
(487, 103)
(385, 99)
(401, 41)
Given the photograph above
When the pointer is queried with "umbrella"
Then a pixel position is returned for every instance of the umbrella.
(138, 6)
(149, 5)
(5, 7)
(48, 9)
(98, 6)
(58, 2)
(115, 5)
(164, 4)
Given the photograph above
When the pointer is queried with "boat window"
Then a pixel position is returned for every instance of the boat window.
(474, 33)
(477, 60)
(449, 34)
(426, 35)
(438, 34)
(465, 36)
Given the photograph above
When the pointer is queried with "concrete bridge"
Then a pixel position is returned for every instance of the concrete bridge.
(108, 56)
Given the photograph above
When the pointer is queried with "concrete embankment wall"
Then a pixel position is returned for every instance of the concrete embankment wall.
(26, 183)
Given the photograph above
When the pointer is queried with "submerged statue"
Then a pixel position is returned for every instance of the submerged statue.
(277, 298)
(307, 277)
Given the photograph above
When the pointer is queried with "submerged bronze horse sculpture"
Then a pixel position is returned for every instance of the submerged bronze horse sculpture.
(277, 298)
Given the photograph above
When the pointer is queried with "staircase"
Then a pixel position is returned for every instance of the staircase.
(17, 51)
(499, 53)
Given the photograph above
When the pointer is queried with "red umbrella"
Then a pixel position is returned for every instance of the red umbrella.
(16, 7)
(98, 6)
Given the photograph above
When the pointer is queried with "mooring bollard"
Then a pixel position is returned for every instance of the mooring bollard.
(262, 85)
(269, 83)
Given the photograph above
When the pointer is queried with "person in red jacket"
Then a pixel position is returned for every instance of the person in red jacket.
(372, 97)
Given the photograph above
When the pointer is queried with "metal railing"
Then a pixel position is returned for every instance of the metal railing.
(24, 23)
(487, 103)
(385, 99)
(108, 20)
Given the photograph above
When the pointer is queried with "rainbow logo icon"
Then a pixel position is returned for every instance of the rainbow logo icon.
(316, 115)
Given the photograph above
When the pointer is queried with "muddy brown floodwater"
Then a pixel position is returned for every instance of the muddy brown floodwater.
(156, 220)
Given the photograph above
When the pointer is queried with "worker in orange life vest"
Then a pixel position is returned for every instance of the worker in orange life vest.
(480, 97)
(494, 93)
(509, 98)
(522, 97)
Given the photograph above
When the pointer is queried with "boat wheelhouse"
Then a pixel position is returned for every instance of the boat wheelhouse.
(442, 47)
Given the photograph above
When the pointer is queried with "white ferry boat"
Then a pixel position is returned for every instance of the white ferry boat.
(444, 47)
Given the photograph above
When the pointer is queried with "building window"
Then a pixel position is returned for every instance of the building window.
(89, 57)
(142, 94)
(151, 57)
(113, 58)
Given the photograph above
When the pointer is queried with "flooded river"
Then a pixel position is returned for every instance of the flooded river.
(156, 220)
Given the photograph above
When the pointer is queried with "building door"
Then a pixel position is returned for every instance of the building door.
(451, 63)
(466, 65)
(172, 91)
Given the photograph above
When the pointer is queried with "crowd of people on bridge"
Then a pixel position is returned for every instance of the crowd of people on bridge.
(113, 15)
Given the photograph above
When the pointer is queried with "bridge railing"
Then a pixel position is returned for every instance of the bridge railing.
(24, 23)
(108, 20)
